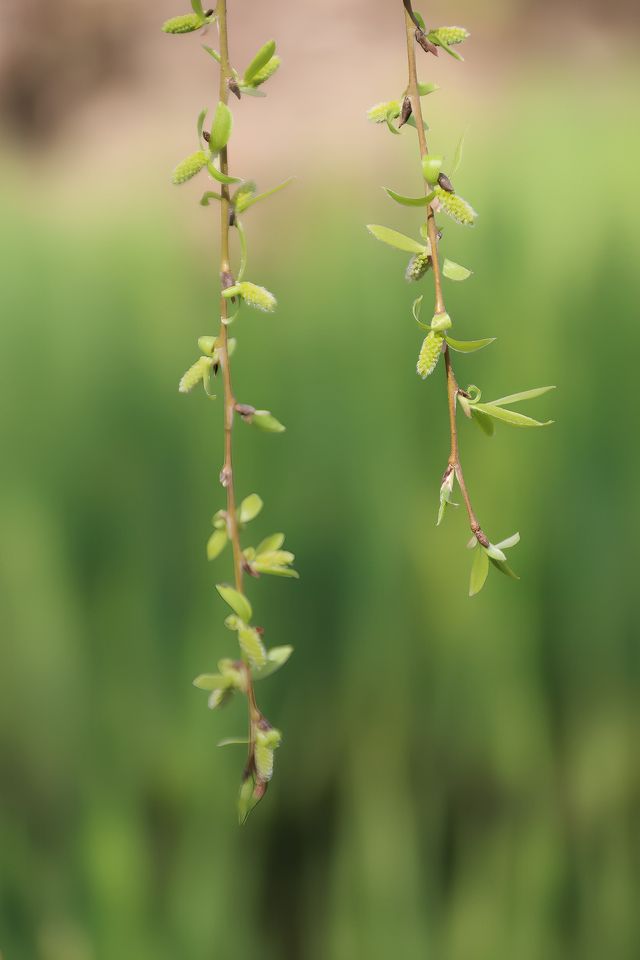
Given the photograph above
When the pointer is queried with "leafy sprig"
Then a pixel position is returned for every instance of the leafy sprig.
(255, 661)
(440, 196)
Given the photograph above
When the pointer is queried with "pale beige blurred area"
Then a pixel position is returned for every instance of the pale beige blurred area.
(98, 88)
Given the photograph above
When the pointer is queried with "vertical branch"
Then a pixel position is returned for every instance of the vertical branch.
(439, 306)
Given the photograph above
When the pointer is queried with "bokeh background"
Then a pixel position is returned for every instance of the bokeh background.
(459, 779)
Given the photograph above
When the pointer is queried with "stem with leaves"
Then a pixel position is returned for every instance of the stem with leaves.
(439, 195)
(255, 661)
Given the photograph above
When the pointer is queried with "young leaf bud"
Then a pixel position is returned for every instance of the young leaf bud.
(266, 72)
(266, 421)
(406, 112)
(429, 354)
(417, 267)
(426, 44)
(431, 165)
(189, 167)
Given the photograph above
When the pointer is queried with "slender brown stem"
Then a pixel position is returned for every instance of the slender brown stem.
(226, 475)
(432, 232)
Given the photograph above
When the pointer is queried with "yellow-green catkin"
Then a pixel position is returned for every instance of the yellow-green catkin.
(266, 744)
(251, 646)
(189, 167)
(417, 267)
(195, 374)
(450, 35)
(267, 71)
(184, 24)
(456, 207)
(257, 297)
(380, 112)
(429, 354)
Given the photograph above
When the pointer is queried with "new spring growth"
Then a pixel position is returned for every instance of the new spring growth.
(435, 175)
(230, 535)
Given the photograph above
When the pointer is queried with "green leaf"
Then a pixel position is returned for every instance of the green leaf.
(200, 125)
(216, 543)
(266, 421)
(483, 421)
(424, 89)
(250, 508)
(276, 658)
(232, 742)
(393, 129)
(455, 271)
(394, 239)
(468, 346)
(210, 681)
(416, 309)
(213, 53)
(431, 167)
(509, 416)
(457, 159)
(208, 196)
(222, 177)
(479, 572)
(243, 204)
(504, 568)
(248, 798)
(221, 128)
(409, 201)
(274, 542)
(236, 600)
(495, 553)
(260, 60)
(509, 542)
(524, 395)
(196, 6)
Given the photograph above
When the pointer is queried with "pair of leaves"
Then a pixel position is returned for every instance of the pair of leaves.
(485, 413)
(486, 556)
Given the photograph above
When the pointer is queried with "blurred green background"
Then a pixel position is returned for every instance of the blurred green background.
(459, 779)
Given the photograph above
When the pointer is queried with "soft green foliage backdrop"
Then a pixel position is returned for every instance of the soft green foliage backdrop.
(459, 779)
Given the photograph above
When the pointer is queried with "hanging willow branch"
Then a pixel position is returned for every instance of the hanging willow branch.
(439, 196)
(255, 661)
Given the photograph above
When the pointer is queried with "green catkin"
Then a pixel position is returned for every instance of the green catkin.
(251, 645)
(449, 35)
(184, 24)
(417, 267)
(456, 207)
(266, 744)
(189, 167)
(266, 72)
(381, 111)
(429, 354)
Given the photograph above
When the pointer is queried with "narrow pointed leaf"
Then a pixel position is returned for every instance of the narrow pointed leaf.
(469, 346)
(394, 239)
(243, 204)
(212, 53)
(210, 681)
(409, 201)
(274, 542)
(457, 159)
(479, 572)
(504, 568)
(509, 542)
(524, 395)
(510, 416)
(222, 177)
(236, 600)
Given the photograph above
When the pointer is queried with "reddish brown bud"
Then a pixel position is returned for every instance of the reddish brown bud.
(445, 183)
(406, 112)
(235, 89)
(245, 410)
(206, 135)
(426, 44)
